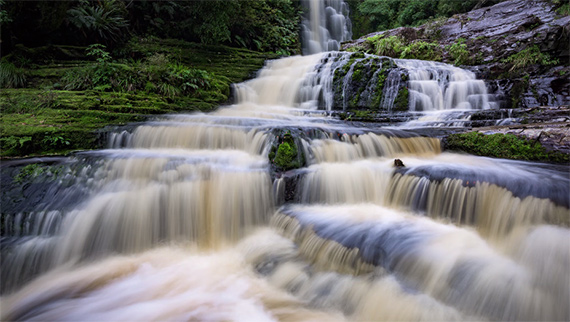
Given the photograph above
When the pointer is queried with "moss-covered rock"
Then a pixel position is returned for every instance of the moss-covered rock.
(359, 83)
(286, 153)
(401, 103)
(507, 146)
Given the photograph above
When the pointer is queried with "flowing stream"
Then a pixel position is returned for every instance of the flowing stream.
(185, 218)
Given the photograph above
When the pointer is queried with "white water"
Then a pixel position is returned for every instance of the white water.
(326, 26)
(439, 86)
(182, 222)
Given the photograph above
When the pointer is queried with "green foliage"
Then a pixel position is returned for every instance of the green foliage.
(156, 74)
(4, 16)
(10, 75)
(286, 154)
(506, 146)
(392, 46)
(458, 52)
(562, 7)
(263, 25)
(103, 19)
(422, 50)
(11, 145)
(396, 47)
(382, 75)
(99, 52)
(382, 14)
(387, 14)
(55, 141)
(47, 99)
(29, 171)
(529, 56)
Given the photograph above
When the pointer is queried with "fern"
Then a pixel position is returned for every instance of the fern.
(529, 56)
(106, 18)
(168, 90)
(11, 76)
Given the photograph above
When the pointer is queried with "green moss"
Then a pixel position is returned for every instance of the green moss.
(506, 146)
(285, 155)
(357, 75)
(363, 116)
(401, 102)
(379, 89)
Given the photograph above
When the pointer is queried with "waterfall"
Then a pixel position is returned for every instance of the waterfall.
(325, 26)
(438, 86)
(188, 216)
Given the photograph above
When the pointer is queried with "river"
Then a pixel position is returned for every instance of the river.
(186, 218)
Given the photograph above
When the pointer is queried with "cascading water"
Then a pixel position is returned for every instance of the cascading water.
(326, 26)
(179, 218)
(437, 86)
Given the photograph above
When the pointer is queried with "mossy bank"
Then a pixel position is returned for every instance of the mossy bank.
(503, 145)
(57, 99)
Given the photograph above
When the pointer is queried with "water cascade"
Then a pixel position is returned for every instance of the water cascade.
(326, 26)
(187, 218)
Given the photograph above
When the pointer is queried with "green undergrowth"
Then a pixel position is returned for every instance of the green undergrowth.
(529, 56)
(396, 47)
(70, 94)
(506, 146)
(234, 63)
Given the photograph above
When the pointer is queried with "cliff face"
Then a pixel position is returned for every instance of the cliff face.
(519, 47)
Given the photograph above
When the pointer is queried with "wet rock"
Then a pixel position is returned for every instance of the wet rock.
(398, 163)
(494, 34)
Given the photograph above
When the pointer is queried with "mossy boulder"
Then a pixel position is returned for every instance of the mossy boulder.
(286, 153)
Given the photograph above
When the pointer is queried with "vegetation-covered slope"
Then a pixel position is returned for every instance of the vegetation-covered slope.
(67, 94)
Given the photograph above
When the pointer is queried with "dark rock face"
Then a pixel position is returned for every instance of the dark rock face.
(492, 36)
(513, 25)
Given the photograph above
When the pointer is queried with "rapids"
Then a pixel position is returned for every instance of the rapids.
(184, 218)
